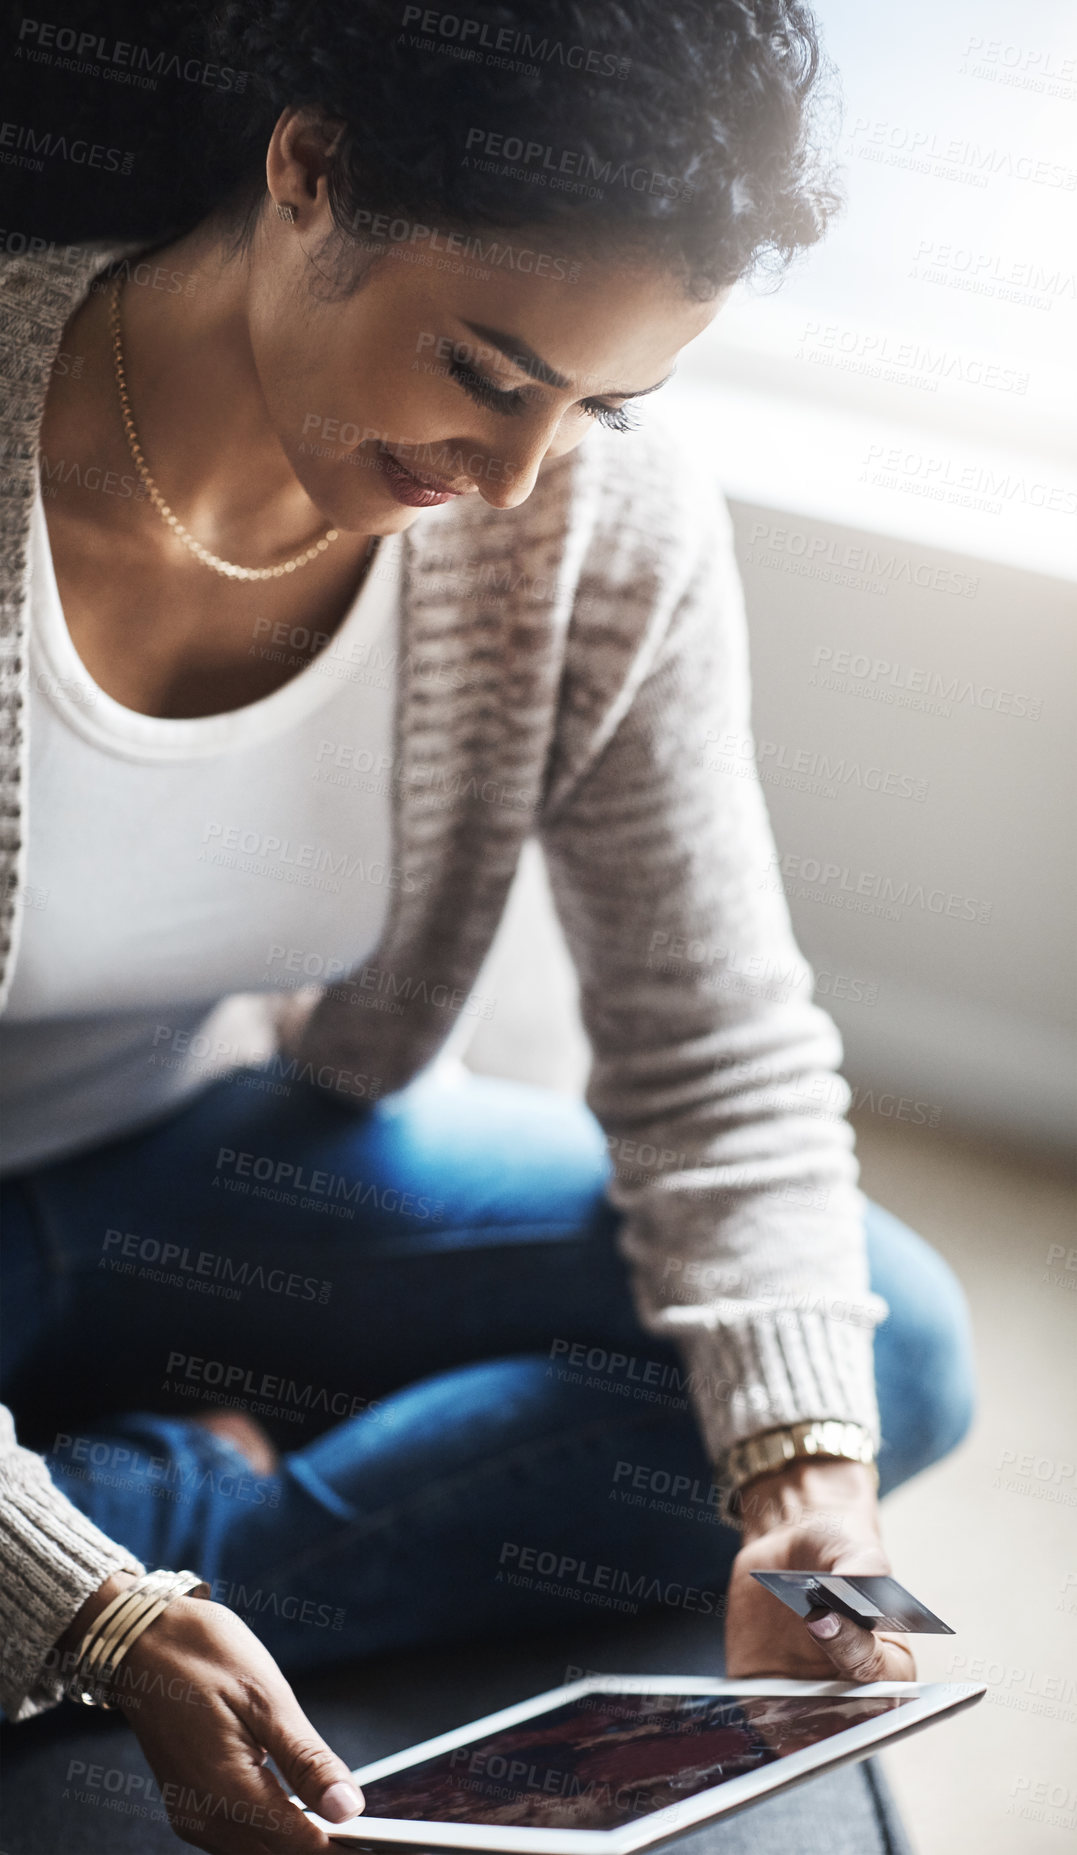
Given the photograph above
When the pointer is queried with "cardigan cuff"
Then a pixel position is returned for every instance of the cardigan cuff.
(53, 1559)
(765, 1370)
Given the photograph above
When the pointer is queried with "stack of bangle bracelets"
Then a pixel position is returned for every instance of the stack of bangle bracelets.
(118, 1628)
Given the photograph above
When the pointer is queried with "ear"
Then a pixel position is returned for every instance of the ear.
(298, 159)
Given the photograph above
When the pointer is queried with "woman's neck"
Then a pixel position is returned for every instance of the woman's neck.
(196, 398)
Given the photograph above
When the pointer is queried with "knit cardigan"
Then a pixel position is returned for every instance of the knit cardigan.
(570, 670)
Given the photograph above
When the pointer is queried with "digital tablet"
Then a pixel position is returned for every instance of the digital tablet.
(616, 1763)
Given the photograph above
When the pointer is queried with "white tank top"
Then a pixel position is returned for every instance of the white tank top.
(173, 865)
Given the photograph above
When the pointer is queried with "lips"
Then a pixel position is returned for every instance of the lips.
(409, 487)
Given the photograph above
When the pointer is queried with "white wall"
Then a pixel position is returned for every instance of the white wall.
(973, 1017)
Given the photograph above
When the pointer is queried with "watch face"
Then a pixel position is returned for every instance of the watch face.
(834, 1442)
(760, 1453)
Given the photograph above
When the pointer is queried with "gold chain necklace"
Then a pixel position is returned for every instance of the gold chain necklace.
(227, 567)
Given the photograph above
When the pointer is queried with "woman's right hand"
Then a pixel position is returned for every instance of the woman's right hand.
(208, 1705)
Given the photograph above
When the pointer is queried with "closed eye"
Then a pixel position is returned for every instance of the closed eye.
(515, 400)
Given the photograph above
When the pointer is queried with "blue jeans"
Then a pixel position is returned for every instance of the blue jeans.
(425, 1307)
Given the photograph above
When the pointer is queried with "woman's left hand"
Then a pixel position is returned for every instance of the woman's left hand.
(819, 1516)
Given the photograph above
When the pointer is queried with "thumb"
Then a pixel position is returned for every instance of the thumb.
(859, 1654)
(316, 1774)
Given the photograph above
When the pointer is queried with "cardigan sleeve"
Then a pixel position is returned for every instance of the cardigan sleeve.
(714, 1075)
(51, 1559)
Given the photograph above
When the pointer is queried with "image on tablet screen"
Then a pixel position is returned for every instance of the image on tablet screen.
(603, 1760)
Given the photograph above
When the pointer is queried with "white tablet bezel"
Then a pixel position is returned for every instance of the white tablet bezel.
(925, 1701)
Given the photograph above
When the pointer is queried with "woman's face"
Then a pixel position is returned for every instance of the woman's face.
(442, 371)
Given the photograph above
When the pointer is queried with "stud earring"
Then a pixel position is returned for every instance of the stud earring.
(287, 213)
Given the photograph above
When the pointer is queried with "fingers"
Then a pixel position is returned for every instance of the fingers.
(312, 1768)
(222, 1797)
(858, 1654)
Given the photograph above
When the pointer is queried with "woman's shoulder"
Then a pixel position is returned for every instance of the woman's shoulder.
(41, 273)
(615, 533)
(39, 289)
(656, 484)
(640, 511)
(48, 257)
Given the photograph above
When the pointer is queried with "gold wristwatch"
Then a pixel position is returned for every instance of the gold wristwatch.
(821, 1439)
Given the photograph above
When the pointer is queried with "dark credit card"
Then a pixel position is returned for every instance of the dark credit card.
(874, 1603)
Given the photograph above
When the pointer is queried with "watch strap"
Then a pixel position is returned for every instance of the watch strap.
(818, 1439)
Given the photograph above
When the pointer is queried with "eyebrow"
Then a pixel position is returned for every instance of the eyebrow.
(523, 356)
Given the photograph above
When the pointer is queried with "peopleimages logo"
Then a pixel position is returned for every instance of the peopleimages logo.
(132, 1794)
(130, 63)
(909, 686)
(876, 567)
(880, 356)
(543, 157)
(282, 859)
(205, 1269)
(977, 486)
(232, 1385)
(469, 37)
(836, 884)
(414, 240)
(954, 157)
(990, 273)
(285, 1178)
(259, 1602)
(63, 148)
(108, 1464)
(572, 1577)
(807, 767)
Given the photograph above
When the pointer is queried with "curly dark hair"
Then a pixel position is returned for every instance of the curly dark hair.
(688, 129)
(694, 131)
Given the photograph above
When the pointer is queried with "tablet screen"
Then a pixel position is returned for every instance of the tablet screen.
(605, 1759)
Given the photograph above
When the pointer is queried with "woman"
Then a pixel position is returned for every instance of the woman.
(343, 572)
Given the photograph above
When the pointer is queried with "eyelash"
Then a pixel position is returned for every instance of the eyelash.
(614, 418)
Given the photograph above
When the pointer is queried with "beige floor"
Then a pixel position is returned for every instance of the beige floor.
(994, 1551)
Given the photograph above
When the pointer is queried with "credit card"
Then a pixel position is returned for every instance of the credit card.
(875, 1603)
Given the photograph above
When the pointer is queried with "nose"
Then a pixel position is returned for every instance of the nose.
(511, 472)
(504, 497)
